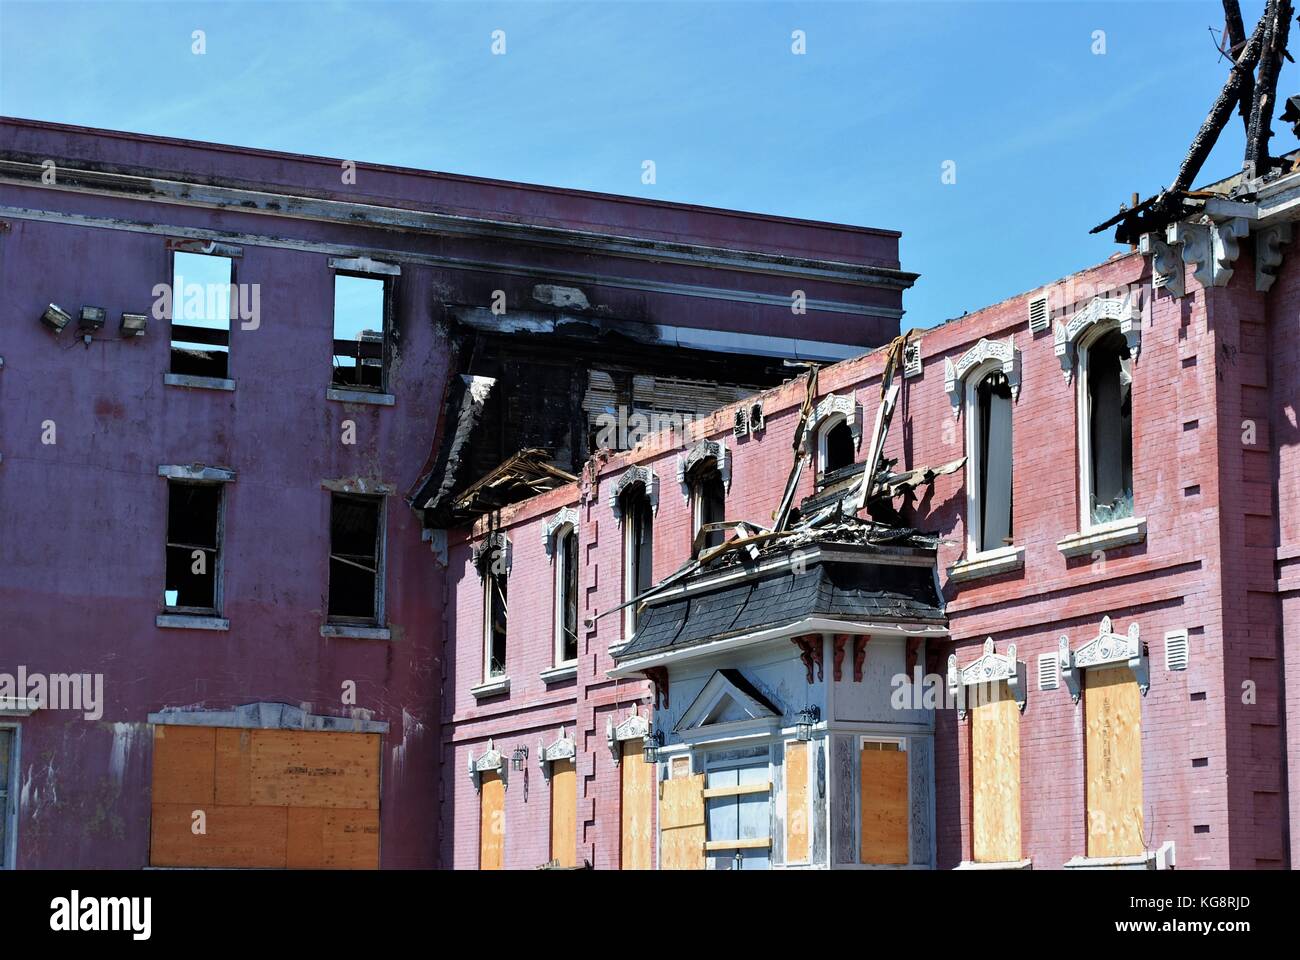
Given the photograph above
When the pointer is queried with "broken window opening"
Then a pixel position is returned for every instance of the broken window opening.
(708, 501)
(356, 559)
(194, 522)
(991, 519)
(840, 449)
(495, 610)
(362, 306)
(1108, 429)
(202, 289)
(566, 598)
(638, 551)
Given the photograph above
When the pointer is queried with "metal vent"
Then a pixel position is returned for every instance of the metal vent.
(1049, 677)
(1038, 314)
(1176, 650)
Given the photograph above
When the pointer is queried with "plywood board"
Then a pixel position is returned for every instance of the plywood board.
(564, 813)
(233, 837)
(295, 768)
(995, 777)
(681, 823)
(1112, 707)
(234, 767)
(182, 764)
(796, 802)
(492, 822)
(883, 823)
(636, 835)
(333, 839)
(680, 767)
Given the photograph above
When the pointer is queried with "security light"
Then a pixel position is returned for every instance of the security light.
(134, 324)
(55, 317)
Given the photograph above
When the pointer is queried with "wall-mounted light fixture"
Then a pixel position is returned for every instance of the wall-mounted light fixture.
(56, 318)
(90, 320)
(133, 324)
(519, 757)
(804, 722)
(653, 742)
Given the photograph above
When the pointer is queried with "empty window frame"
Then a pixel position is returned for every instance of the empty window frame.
(195, 527)
(838, 447)
(708, 502)
(988, 443)
(8, 795)
(362, 322)
(1105, 378)
(566, 595)
(356, 572)
(202, 286)
(495, 610)
(638, 551)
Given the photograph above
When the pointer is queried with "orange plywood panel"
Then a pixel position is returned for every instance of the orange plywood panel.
(295, 768)
(681, 823)
(637, 834)
(492, 822)
(1112, 709)
(884, 806)
(183, 764)
(231, 837)
(331, 838)
(564, 813)
(234, 767)
(995, 777)
(796, 802)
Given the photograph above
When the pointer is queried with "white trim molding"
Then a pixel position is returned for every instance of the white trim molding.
(634, 727)
(990, 563)
(1268, 253)
(1166, 264)
(1002, 351)
(267, 715)
(1121, 311)
(1104, 536)
(494, 541)
(1106, 649)
(990, 667)
(631, 476)
(828, 412)
(567, 517)
(1210, 249)
(491, 761)
(704, 450)
(563, 748)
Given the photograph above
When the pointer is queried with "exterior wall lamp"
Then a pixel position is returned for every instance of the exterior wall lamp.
(804, 722)
(653, 742)
(519, 758)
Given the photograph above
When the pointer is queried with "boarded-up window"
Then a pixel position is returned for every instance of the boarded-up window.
(200, 320)
(492, 821)
(796, 802)
(995, 775)
(1112, 709)
(681, 822)
(193, 547)
(992, 454)
(637, 797)
(564, 813)
(356, 559)
(227, 797)
(360, 331)
(883, 796)
(738, 805)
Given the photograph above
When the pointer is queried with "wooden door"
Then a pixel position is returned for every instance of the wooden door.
(637, 836)
(492, 821)
(681, 823)
(995, 775)
(564, 813)
(883, 794)
(1112, 709)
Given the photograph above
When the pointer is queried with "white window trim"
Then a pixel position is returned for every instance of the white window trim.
(498, 683)
(566, 529)
(10, 811)
(1083, 440)
(974, 460)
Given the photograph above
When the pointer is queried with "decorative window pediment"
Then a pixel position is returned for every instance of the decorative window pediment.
(563, 748)
(1003, 352)
(630, 477)
(715, 450)
(567, 517)
(492, 761)
(1121, 311)
(495, 544)
(831, 408)
(1106, 649)
(634, 727)
(726, 698)
(990, 667)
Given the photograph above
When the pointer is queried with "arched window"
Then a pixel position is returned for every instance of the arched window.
(989, 491)
(1106, 427)
(638, 549)
(493, 562)
(566, 595)
(838, 447)
(708, 495)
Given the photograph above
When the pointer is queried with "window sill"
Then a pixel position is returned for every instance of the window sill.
(1026, 864)
(355, 631)
(1143, 861)
(568, 671)
(201, 383)
(990, 563)
(1104, 536)
(344, 395)
(189, 621)
(491, 688)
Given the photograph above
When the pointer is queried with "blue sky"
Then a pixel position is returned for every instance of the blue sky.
(1047, 136)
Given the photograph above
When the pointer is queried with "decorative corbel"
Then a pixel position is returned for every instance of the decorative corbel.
(1211, 248)
(1166, 265)
(1268, 254)
(810, 652)
(914, 645)
(837, 664)
(658, 676)
(1065, 663)
(1224, 236)
(860, 641)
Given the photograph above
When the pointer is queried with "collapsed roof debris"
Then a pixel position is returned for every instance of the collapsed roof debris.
(831, 516)
(1254, 94)
(523, 475)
